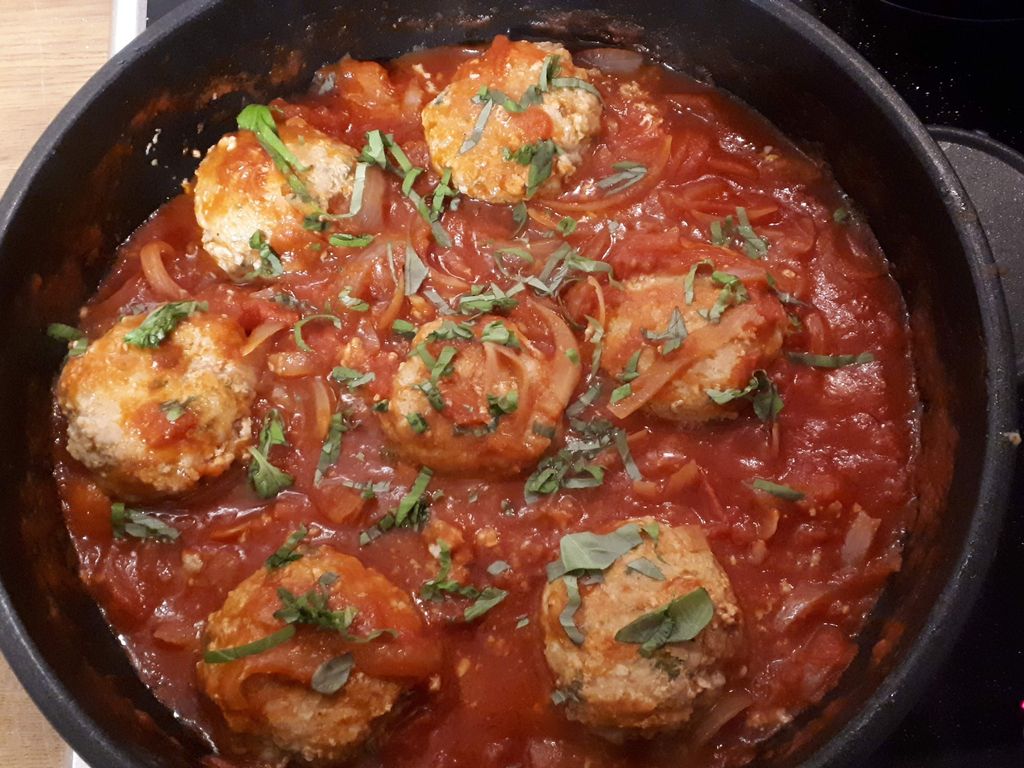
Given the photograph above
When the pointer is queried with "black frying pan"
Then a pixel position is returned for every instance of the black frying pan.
(90, 180)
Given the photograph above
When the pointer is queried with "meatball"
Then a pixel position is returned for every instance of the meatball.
(611, 685)
(270, 694)
(239, 192)
(155, 421)
(493, 169)
(493, 409)
(730, 331)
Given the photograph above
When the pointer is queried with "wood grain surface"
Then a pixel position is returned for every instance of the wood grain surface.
(48, 48)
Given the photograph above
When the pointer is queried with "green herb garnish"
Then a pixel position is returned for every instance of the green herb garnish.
(680, 621)
(260, 121)
(266, 479)
(76, 339)
(297, 330)
(287, 554)
(331, 450)
(830, 361)
(351, 377)
(628, 174)
(139, 525)
(161, 322)
(273, 640)
(673, 336)
(775, 489)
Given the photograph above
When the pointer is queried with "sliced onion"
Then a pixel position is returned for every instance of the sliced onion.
(858, 539)
(614, 61)
(291, 365)
(563, 373)
(724, 710)
(370, 217)
(321, 406)
(800, 601)
(695, 348)
(151, 260)
(599, 292)
(260, 334)
(654, 173)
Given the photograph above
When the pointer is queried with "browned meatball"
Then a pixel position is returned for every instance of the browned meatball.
(153, 421)
(568, 116)
(270, 695)
(614, 686)
(496, 406)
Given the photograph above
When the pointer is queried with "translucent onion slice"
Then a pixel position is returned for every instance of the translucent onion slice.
(151, 260)
(563, 373)
(321, 406)
(260, 334)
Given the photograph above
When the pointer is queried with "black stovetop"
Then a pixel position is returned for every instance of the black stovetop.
(957, 63)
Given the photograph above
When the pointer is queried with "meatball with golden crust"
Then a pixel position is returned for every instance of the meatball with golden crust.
(711, 339)
(564, 110)
(496, 404)
(152, 421)
(239, 192)
(619, 688)
(348, 615)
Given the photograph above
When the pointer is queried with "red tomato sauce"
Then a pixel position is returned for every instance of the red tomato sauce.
(846, 437)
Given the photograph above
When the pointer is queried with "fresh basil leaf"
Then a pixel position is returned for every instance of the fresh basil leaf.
(674, 335)
(830, 361)
(628, 174)
(540, 157)
(449, 330)
(331, 676)
(679, 621)
(404, 328)
(287, 554)
(161, 322)
(331, 450)
(498, 567)
(566, 226)
(297, 329)
(478, 128)
(139, 525)
(489, 597)
(647, 568)
(225, 655)
(587, 551)
(173, 409)
(76, 339)
(350, 302)
(776, 489)
(260, 121)
(567, 618)
(351, 377)
(498, 333)
(415, 271)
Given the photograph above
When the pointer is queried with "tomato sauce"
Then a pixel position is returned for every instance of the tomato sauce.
(806, 573)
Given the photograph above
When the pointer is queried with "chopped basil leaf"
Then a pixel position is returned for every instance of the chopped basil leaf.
(680, 621)
(415, 271)
(439, 303)
(830, 361)
(504, 404)
(498, 333)
(646, 567)
(297, 330)
(733, 293)
(331, 449)
(260, 120)
(451, 331)
(225, 655)
(443, 191)
(621, 393)
(412, 510)
(725, 232)
(520, 216)
(560, 266)
(548, 71)
(268, 264)
(404, 328)
(523, 621)
(478, 128)
(331, 676)
(652, 529)
(312, 609)
(381, 406)
(691, 276)
(543, 430)
(841, 215)
(489, 597)
(173, 409)
(410, 179)
(161, 322)
(586, 551)
(433, 395)
(674, 335)
(351, 302)
(436, 588)
(567, 618)
(776, 489)
(351, 377)
(629, 173)
(498, 567)
(622, 446)
(267, 480)
(442, 367)
(417, 422)
(287, 554)
(566, 226)
(540, 157)
(345, 240)
(493, 300)
(139, 525)
(573, 355)
(369, 491)
(77, 341)
(761, 391)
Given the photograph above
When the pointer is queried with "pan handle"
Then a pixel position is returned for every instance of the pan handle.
(993, 175)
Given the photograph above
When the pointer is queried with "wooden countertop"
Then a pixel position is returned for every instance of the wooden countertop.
(48, 48)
